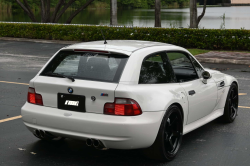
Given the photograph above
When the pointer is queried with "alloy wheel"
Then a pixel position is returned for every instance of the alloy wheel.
(233, 102)
(172, 133)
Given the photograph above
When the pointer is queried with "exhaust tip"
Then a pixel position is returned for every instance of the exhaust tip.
(37, 133)
(96, 143)
(42, 134)
(89, 142)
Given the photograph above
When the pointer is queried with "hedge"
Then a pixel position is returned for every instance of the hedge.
(188, 38)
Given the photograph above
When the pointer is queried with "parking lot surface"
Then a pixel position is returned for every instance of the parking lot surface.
(213, 144)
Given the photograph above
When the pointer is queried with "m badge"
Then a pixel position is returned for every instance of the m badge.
(104, 94)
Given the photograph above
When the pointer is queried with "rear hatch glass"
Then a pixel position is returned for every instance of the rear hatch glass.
(86, 66)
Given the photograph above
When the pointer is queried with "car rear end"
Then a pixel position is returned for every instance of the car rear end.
(74, 96)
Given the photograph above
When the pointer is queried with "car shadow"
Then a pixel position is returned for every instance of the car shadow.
(75, 152)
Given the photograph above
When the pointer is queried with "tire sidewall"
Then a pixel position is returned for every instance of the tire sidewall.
(171, 109)
(227, 112)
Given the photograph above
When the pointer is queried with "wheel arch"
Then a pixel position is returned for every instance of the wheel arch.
(180, 107)
(236, 84)
(230, 79)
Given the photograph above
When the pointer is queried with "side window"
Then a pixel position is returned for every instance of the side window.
(156, 69)
(182, 66)
(197, 66)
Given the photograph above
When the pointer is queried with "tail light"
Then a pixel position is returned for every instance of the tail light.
(125, 107)
(34, 98)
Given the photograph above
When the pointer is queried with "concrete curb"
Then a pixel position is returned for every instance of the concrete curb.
(39, 40)
(228, 61)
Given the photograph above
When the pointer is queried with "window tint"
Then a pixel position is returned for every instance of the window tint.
(155, 69)
(197, 66)
(182, 66)
(87, 66)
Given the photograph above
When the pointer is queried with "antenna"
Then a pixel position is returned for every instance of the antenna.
(105, 42)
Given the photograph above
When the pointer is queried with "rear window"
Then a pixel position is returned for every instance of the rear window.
(87, 66)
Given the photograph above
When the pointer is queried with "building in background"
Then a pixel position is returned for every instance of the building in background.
(226, 2)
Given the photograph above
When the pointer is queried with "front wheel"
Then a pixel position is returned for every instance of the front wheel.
(231, 106)
(169, 137)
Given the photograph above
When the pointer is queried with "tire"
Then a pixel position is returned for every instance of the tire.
(169, 138)
(231, 106)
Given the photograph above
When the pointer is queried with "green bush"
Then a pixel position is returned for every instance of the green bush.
(189, 38)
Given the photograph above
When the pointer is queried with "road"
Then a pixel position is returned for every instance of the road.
(211, 145)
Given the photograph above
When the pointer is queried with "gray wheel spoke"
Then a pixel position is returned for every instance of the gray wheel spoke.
(168, 123)
(235, 97)
(166, 136)
(171, 144)
(234, 109)
(232, 94)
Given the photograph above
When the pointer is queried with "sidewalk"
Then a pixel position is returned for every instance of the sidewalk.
(224, 57)
(210, 57)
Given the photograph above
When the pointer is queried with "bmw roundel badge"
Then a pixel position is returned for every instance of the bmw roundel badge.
(70, 90)
(93, 98)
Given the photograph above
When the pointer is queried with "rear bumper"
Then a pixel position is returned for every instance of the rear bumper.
(117, 132)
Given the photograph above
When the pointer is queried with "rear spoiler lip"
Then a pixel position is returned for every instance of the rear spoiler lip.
(94, 51)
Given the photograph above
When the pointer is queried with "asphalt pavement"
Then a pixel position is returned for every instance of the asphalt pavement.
(214, 144)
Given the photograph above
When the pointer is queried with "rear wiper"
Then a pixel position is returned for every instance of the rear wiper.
(60, 75)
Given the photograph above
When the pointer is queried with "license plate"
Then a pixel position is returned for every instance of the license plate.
(71, 102)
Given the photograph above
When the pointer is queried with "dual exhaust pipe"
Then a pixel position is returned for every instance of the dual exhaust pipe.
(89, 142)
(43, 134)
(96, 143)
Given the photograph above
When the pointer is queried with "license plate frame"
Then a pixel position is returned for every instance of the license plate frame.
(71, 102)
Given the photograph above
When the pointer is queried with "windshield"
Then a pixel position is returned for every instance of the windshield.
(87, 66)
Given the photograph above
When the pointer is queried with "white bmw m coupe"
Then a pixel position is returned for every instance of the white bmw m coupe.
(127, 94)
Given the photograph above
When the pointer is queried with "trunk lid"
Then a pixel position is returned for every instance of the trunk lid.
(49, 87)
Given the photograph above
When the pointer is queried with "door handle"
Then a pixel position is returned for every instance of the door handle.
(192, 92)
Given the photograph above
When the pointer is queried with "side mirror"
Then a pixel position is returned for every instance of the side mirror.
(206, 75)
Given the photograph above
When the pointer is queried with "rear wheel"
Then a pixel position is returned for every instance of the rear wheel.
(169, 137)
(231, 106)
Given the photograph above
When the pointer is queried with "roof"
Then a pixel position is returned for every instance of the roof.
(123, 46)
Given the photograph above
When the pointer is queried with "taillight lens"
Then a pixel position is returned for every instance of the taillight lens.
(124, 107)
(34, 98)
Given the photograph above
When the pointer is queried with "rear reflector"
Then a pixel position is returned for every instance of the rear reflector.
(34, 98)
(124, 107)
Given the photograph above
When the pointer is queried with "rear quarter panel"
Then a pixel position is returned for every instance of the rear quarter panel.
(155, 97)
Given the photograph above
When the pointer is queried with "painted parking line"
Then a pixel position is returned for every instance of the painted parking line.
(243, 107)
(14, 83)
(9, 119)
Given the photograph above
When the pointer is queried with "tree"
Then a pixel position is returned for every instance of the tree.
(157, 13)
(194, 20)
(113, 12)
(60, 8)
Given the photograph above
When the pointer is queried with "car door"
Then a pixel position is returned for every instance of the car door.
(201, 97)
